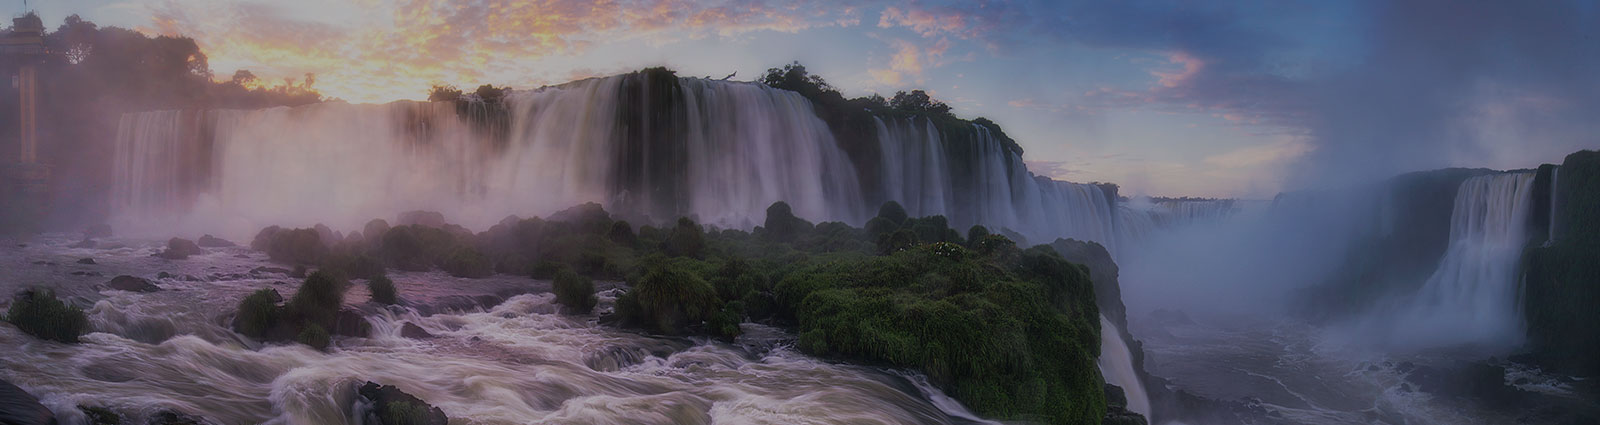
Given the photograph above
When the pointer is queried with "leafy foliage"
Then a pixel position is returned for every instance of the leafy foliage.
(383, 290)
(258, 313)
(574, 291)
(39, 313)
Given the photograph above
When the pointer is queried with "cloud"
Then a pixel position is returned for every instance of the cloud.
(394, 48)
(1276, 152)
(909, 61)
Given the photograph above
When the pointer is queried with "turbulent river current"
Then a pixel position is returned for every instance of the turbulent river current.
(517, 362)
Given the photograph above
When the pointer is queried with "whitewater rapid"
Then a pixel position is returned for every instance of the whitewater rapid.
(518, 362)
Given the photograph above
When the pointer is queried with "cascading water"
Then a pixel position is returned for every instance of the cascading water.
(1472, 297)
(1555, 185)
(1116, 364)
(976, 180)
(644, 146)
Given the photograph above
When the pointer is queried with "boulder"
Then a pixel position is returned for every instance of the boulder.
(132, 284)
(96, 415)
(351, 323)
(390, 406)
(173, 417)
(20, 408)
(86, 261)
(411, 330)
(209, 241)
(179, 248)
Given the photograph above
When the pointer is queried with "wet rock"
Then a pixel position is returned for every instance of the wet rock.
(86, 261)
(426, 218)
(265, 270)
(351, 323)
(132, 284)
(411, 330)
(179, 249)
(84, 273)
(209, 241)
(172, 417)
(1475, 381)
(390, 406)
(85, 244)
(96, 415)
(20, 408)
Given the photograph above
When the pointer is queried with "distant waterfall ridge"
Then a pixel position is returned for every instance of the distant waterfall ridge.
(720, 152)
(1472, 297)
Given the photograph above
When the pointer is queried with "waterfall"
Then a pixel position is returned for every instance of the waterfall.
(1472, 297)
(1555, 186)
(1116, 363)
(649, 147)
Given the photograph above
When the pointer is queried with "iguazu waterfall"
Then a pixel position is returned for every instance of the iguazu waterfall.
(1472, 297)
(1116, 363)
(717, 151)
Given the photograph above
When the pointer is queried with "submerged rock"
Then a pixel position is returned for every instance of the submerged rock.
(390, 406)
(20, 408)
(179, 249)
(209, 241)
(86, 261)
(351, 323)
(96, 415)
(172, 417)
(132, 284)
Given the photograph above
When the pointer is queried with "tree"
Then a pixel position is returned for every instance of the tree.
(244, 77)
(488, 93)
(918, 101)
(444, 93)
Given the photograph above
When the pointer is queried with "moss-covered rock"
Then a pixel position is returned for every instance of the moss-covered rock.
(37, 312)
(390, 406)
(314, 336)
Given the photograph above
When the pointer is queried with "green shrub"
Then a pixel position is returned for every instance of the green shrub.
(782, 226)
(293, 246)
(383, 290)
(667, 298)
(315, 336)
(575, 291)
(356, 267)
(318, 300)
(893, 212)
(38, 313)
(976, 234)
(417, 247)
(258, 313)
(622, 234)
(469, 263)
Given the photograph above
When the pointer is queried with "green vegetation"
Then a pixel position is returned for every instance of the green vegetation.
(468, 262)
(382, 290)
(37, 312)
(574, 291)
(315, 336)
(1011, 332)
(306, 318)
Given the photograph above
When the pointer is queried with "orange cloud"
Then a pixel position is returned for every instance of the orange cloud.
(393, 49)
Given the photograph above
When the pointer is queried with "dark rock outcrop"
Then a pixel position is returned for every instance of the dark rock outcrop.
(390, 406)
(96, 415)
(132, 284)
(173, 417)
(208, 241)
(411, 330)
(351, 323)
(1562, 276)
(1117, 409)
(86, 261)
(17, 407)
(179, 249)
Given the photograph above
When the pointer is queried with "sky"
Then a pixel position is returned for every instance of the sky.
(1166, 98)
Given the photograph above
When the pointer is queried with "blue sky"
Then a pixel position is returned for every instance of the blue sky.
(1234, 99)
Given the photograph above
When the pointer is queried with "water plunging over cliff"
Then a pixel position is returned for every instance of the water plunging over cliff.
(652, 147)
(1472, 297)
(1116, 364)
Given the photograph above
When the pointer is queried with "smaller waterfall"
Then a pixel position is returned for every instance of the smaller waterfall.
(1472, 297)
(1555, 186)
(1116, 363)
